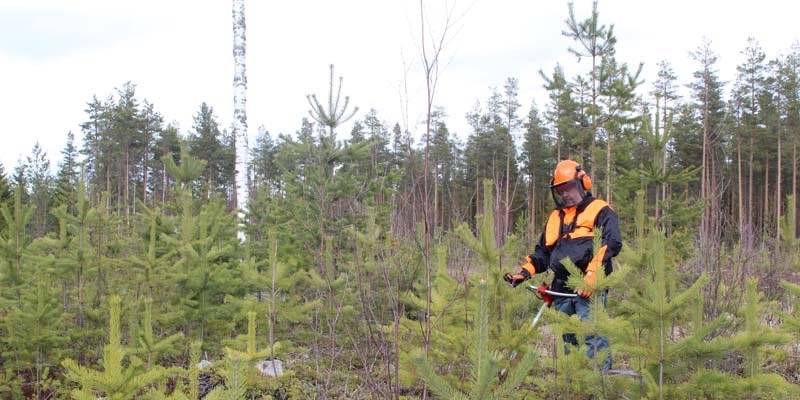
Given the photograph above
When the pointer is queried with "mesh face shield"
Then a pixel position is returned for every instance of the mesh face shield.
(568, 194)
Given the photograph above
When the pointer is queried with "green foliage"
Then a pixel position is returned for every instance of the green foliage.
(202, 269)
(485, 246)
(484, 363)
(235, 376)
(190, 169)
(333, 116)
(32, 332)
(791, 323)
(251, 354)
(710, 384)
(655, 305)
(123, 376)
(15, 241)
(789, 240)
(149, 345)
(333, 265)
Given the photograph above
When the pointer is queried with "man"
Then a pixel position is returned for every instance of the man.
(569, 233)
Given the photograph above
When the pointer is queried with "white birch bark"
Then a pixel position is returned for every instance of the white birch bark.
(240, 113)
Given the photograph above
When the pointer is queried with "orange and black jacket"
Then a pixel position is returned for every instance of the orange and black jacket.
(570, 233)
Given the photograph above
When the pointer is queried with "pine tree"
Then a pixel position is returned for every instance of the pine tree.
(561, 115)
(749, 85)
(484, 363)
(251, 354)
(789, 241)
(262, 163)
(595, 41)
(205, 143)
(33, 332)
(149, 345)
(152, 125)
(235, 379)
(153, 262)
(67, 176)
(96, 140)
(708, 106)
(126, 130)
(5, 193)
(655, 304)
(536, 156)
(791, 323)
(40, 184)
(751, 342)
(200, 250)
(168, 142)
(333, 116)
(14, 242)
(123, 376)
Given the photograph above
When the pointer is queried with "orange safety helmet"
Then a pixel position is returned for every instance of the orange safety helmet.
(569, 184)
(568, 170)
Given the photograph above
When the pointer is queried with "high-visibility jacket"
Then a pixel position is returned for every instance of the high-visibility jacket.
(569, 233)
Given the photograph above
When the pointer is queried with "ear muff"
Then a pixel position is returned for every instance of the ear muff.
(586, 181)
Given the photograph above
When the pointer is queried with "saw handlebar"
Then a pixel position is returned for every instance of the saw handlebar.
(543, 292)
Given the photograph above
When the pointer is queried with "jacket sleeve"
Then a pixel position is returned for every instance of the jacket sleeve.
(611, 241)
(541, 255)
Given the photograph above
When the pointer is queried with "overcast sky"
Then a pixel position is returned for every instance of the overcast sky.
(55, 55)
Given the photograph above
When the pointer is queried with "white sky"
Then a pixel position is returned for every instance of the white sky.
(55, 55)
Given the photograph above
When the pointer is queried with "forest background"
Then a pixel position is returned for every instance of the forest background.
(370, 267)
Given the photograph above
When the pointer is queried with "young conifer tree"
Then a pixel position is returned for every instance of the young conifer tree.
(450, 338)
(235, 381)
(14, 242)
(122, 377)
(484, 364)
(508, 307)
(201, 251)
(654, 305)
(789, 241)
(751, 342)
(791, 323)
(32, 331)
(153, 263)
(149, 344)
(77, 252)
(251, 353)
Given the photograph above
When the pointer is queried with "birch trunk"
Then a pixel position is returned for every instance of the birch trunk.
(240, 114)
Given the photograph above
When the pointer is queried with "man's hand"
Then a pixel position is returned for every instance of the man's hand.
(591, 280)
(525, 272)
(515, 279)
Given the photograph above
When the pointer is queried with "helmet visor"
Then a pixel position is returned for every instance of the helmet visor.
(568, 194)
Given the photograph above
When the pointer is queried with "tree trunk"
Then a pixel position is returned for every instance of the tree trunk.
(750, 191)
(778, 190)
(705, 167)
(435, 198)
(507, 208)
(740, 180)
(794, 184)
(127, 187)
(765, 210)
(558, 134)
(532, 202)
(609, 196)
(240, 114)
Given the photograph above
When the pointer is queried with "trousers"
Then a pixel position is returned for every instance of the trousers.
(582, 307)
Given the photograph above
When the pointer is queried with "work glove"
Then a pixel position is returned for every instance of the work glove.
(590, 278)
(525, 272)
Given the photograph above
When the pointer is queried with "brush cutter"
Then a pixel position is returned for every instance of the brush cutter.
(546, 295)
